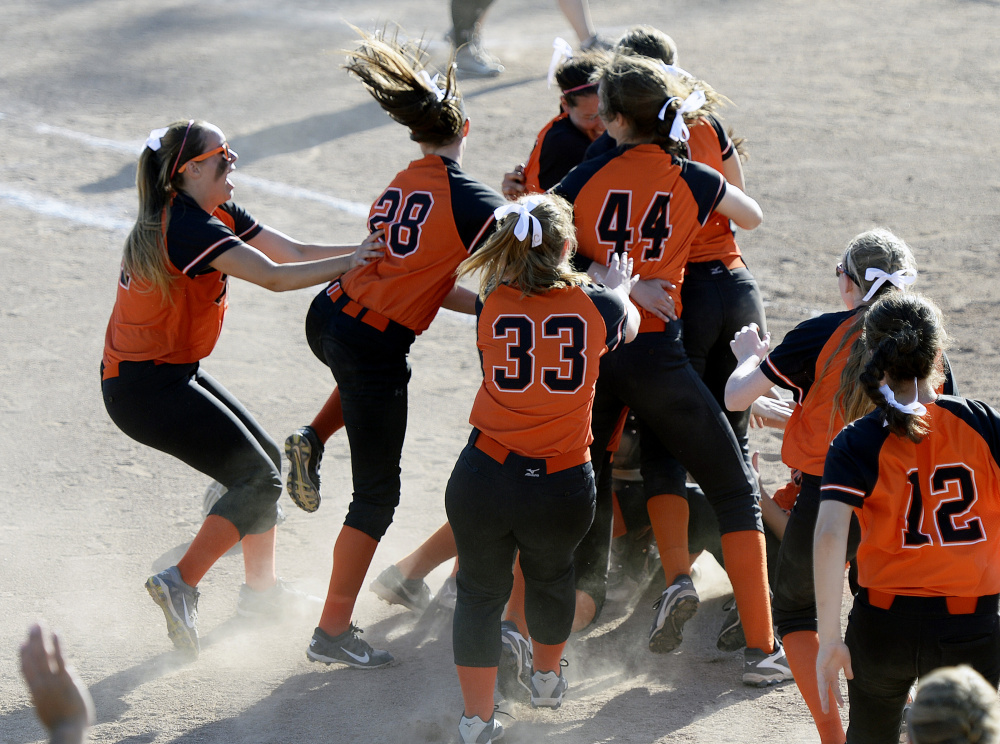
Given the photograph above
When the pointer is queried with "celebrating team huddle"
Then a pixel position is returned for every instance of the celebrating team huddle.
(610, 282)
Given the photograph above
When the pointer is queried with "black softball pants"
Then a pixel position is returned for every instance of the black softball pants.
(891, 648)
(496, 511)
(794, 604)
(183, 411)
(372, 372)
(654, 378)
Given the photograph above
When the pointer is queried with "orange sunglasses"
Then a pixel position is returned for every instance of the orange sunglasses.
(229, 155)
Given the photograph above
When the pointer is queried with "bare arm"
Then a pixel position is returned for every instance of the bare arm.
(461, 300)
(282, 249)
(61, 700)
(747, 382)
(246, 262)
(732, 169)
(740, 208)
(829, 554)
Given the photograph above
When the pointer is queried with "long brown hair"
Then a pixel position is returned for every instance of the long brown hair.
(390, 70)
(157, 182)
(638, 87)
(505, 259)
(903, 335)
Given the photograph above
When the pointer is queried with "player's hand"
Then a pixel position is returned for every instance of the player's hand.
(371, 248)
(831, 659)
(61, 699)
(773, 412)
(513, 183)
(619, 275)
(652, 295)
(747, 343)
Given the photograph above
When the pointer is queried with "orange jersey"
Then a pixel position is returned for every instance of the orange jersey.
(559, 147)
(540, 358)
(709, 144)
(147, 326)
(802, 363)
(643, 201)
(929, 512)
(434, 216)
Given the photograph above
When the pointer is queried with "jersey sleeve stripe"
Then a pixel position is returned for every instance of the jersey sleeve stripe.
(788, 383)
(845, 489)
(843, 494)
(206, 252)
(479, 235)
(249, 229)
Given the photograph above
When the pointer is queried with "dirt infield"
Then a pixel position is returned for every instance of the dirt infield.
(856, 114)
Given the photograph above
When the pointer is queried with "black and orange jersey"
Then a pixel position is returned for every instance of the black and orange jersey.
(709, 144)
(802, 363)
(929, 512)
(434, 217)
(558, 148)
(145, 325)
(540, 357)
(643, 201)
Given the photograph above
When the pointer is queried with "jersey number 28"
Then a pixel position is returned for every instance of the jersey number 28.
(402, 223)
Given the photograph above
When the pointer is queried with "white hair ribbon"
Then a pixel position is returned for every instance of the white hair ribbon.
(916, 408)
(561, 50)
(153, 141)
(432, 83)
(679, 130)
(898, 279)
(524, 220)
(675, 70)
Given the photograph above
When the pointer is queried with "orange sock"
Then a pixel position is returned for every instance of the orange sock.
(801, 649)
(515, 605)
(668, 514)
(330, 418)
(546, 658)
(477, 690)
(352, 554)
(258, 560)
(619, 527)
(216, 536)
(746, 564)
(434, 551)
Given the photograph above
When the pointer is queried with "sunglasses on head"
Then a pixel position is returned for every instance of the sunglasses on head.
(227, 153)
(842, 270)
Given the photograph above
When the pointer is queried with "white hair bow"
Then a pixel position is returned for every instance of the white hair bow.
(679, 130)
(675, 70)
(432, 83)
(898, 279)
(153, 141)
(561, 50)
(916, 408)
(524, 220)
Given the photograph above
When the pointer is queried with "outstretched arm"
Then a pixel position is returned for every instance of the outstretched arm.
(253, 264)
(62, 702)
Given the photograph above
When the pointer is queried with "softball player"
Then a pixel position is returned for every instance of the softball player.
(818, 361)
(172, 296)
(563, 141)
(644, 200)
(362, 326)
(922, 473)
(524, 484)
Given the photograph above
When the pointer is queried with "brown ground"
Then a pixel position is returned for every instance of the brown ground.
(856, 114)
